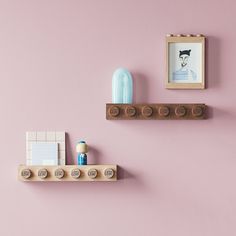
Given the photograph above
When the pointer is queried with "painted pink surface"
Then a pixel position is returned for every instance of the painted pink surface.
(56, 63)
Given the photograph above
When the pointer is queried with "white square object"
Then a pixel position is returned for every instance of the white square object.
(41, 136)
(29, 162)
(51, 136)
(62, 157)
(60, 136)
(31, 136)
(55, 137)
(61, 146)
(44, 154)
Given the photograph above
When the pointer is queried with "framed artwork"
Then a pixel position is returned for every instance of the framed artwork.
(185, 59)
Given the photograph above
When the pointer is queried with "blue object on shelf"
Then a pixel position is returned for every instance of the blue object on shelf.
(82, 149)
(82, 159)
(122, 86)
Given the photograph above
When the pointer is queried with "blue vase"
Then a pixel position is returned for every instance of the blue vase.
(122, 86)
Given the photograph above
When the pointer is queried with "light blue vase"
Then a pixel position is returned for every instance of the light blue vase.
(122, 86)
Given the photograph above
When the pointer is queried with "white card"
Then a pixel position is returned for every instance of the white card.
(44, 154)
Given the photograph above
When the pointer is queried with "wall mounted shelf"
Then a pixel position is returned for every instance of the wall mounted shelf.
(68, 173)
(157, 111)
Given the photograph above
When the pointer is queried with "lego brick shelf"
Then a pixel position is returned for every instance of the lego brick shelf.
(68, 173)
(157, 111)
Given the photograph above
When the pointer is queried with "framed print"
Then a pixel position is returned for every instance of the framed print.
(185, 59)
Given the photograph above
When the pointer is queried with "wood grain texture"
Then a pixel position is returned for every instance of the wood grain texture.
(68, 173)
(196, 111)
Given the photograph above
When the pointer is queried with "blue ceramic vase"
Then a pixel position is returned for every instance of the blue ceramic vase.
(122, 86)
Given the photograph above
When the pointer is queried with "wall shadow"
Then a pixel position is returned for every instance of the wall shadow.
(94, 156)
(124, 174)
(213, 62)
(220, 113)
(140, 88)
(69, 154)
(209, 114)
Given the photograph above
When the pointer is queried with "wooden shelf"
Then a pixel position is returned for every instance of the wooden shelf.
(68, 173)
(145, 111)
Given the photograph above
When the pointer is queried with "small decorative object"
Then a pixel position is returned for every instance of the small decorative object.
(44, 153)
(185, 57)
(82, 149)
(122, 86)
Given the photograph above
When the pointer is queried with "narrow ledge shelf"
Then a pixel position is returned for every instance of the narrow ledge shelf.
(76, 173)
(156, 111)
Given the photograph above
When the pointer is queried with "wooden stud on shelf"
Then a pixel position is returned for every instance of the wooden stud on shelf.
(109, 173)
(130, 111)
(59, 173)
(114, 111)
(26, 173)
(147, 111)
(164, 111)
(180, 111)
(92, 173)
(42, 173)
(75, 173)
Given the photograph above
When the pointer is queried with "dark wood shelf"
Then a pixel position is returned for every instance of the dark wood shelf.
(156, 111)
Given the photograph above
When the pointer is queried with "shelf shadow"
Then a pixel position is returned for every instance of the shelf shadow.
(123, 174)
(69, 154)
(141, 89)
(94, 155)
(209, 114)
(213, 62)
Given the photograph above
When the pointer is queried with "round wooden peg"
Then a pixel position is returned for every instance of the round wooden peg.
(189, 35)
(197, 111)
(114, 111)
(147, 111)
(130, 111)
(164, 111)
(169, 35)
(180, 111)
(109, 173)
(26, 173)
(92, 173)
(179, 35)
(75, 173)
(59, 173)
(199, 35)
(42, 173)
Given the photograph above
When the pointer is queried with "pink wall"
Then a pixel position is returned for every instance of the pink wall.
(56, 62)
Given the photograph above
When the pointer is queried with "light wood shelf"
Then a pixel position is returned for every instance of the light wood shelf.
(62, 173)
(156, 111)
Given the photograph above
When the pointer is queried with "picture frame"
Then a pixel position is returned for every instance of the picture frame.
(185, 62)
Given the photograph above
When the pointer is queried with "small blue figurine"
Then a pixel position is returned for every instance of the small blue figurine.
(82, 149)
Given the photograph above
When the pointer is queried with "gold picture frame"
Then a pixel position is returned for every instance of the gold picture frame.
(185, 62)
